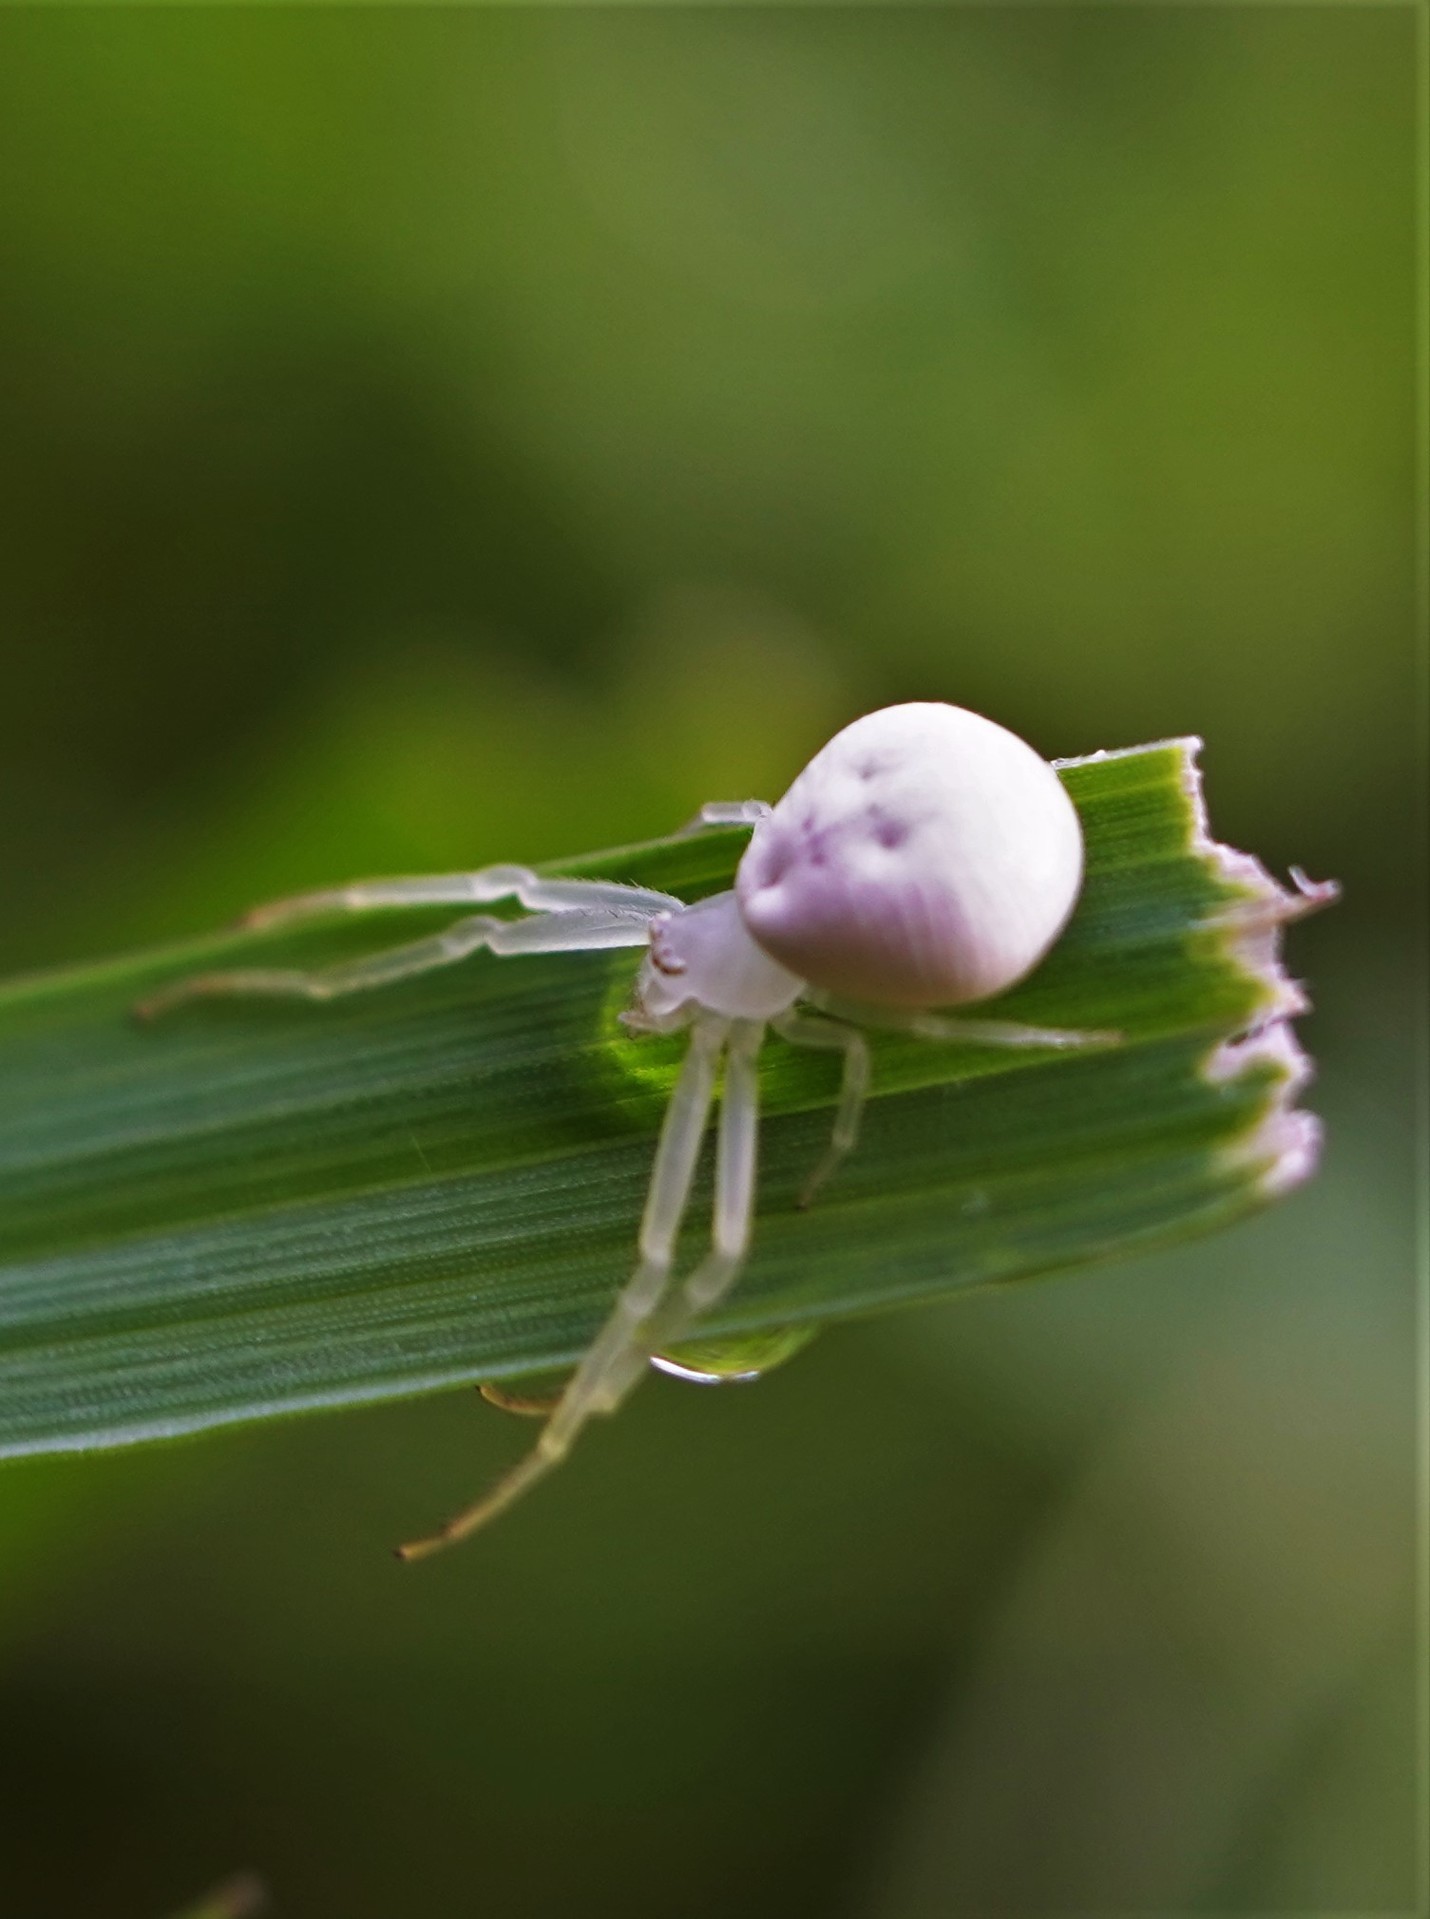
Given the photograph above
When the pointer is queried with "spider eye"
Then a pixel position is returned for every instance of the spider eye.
(663, 958)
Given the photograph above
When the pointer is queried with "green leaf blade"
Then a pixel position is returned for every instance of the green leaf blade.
(253, 1209)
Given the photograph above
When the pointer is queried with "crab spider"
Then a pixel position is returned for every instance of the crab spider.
(925, 858)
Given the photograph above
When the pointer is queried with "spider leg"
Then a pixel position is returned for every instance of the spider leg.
(735, 1156)
(524, 1405)
(953, 1026)
(1004, 1032)
(617, 1357)
(531, 890)
(853, 1088)
(727, 813)
(574, 931)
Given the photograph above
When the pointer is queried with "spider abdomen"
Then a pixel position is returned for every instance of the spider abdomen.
(925, 857)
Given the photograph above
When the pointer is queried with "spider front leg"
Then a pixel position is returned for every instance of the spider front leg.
(574, 931)
(482, 888)
(617, 1357)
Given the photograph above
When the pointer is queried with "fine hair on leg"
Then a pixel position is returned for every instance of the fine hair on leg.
(574, 931)
(482, 888)
(830, 1034)
(617, 1357)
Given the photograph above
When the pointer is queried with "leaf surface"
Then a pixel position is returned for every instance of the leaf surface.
(253, 1207)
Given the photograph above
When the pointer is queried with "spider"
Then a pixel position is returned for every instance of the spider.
(925, 858)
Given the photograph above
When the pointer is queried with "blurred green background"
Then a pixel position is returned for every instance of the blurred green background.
(430, 437)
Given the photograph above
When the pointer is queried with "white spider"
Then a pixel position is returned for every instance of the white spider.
(925, 857)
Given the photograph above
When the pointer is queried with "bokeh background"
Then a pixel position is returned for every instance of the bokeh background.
(436, 436)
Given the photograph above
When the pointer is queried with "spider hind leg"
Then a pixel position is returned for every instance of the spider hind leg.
(831, 1034)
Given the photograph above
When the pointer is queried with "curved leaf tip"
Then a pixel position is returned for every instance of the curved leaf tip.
(1284, 1146)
